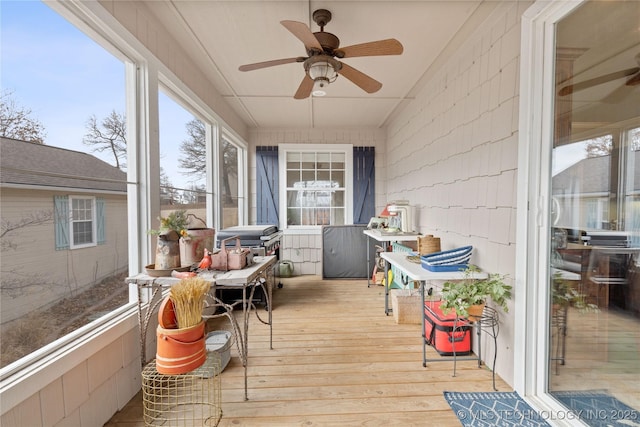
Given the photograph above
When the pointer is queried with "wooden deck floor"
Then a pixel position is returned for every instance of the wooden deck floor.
(336, 360)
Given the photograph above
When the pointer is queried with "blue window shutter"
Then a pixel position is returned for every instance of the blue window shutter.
(364, 179)
(61, 221)
(267, 185)
(100, 220)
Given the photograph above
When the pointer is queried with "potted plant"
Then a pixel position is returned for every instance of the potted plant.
(472, 293)
(172, 228)
(564, 295)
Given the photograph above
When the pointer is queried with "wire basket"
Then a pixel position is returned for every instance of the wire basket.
(191, 400)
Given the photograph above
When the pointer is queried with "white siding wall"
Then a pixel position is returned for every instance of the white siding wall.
(305, 250)
(453, 154)
(35, 274)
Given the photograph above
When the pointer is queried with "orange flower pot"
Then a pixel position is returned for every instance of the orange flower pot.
(180, 350)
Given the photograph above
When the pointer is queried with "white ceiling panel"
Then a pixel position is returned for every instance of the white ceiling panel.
(223, 35)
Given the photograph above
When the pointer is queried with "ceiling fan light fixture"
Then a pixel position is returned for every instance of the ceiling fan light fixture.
(319, 86)
(322, 70)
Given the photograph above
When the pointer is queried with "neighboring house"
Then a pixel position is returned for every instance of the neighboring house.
(583, 191)
(64, 224)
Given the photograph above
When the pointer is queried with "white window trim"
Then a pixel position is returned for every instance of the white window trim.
(94, 237)
(531, 364)
(282, 169)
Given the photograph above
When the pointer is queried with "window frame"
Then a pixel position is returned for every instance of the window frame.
(283, 149)
(72, 221)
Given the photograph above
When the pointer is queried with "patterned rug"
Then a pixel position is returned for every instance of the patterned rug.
(493, 409)
(597, 408)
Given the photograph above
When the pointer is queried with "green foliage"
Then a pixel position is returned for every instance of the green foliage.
(563, 294)
(177, 221)
(462, 294)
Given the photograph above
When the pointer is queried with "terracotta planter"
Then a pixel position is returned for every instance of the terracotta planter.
(475, 312)
(180, 350)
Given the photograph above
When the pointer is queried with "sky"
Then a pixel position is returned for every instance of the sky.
(64, 77)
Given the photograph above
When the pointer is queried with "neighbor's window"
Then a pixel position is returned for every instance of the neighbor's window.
(82, 221)
(317, 185)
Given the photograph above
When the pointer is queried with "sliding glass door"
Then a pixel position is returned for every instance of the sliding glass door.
(594, 208)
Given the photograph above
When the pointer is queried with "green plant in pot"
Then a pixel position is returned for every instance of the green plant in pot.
(469, 295)
(564, 295)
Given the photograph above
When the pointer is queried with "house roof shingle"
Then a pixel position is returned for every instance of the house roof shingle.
(593, 174)
(28, 163)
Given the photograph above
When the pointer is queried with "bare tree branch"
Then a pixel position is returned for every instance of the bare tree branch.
(16, 122)
(109, 135)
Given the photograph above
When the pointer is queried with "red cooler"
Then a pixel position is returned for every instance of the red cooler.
(444, 333)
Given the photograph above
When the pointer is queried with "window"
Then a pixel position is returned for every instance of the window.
(317, 185)
(183, 161)
(77, 239)
(230, 187)
(82, 221)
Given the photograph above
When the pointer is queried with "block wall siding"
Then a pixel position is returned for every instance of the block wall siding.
(453, 154)
(140, 22)
(35, 274)
(305, 250)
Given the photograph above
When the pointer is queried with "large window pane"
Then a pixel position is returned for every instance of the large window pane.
(230, 183)
(64, 227)
(182, 163)
(595, 286)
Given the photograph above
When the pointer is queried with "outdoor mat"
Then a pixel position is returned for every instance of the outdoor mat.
(494, 409)
(597, 408)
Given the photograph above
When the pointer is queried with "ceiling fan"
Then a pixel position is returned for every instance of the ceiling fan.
(632, 73)
(320, 65)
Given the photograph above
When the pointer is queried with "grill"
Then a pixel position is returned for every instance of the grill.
(262, 239)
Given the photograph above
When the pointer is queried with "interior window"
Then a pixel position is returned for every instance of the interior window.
(316, 186)
(594, 314)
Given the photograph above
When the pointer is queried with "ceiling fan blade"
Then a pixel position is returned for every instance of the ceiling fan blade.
(634, 80)
(265, 64)
(360, 79)
(304, 90)
(377, 48)
(302, 32)
(569, 89)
